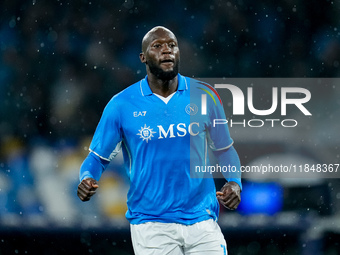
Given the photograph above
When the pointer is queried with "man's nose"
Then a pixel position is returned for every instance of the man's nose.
(166, 48)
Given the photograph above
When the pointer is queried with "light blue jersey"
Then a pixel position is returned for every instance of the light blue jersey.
(161, 142)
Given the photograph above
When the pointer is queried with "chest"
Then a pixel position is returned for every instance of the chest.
(149, 119)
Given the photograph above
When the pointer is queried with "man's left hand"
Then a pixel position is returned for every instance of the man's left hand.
(230, 195)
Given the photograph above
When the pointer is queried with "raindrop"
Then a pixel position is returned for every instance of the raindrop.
(128, 4)
(12, 23)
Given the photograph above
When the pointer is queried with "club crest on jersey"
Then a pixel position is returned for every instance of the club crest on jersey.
(191, 109)
(146, 133)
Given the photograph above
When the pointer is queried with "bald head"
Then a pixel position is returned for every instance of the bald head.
(155, 33)
(160, 54)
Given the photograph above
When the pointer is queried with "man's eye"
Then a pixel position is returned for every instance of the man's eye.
(157, 46)
(171, 45)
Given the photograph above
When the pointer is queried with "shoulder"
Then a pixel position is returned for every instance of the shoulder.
(125, 95)
(200, 84)
(198, 87)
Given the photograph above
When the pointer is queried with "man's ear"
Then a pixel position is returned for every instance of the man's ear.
(142, 57)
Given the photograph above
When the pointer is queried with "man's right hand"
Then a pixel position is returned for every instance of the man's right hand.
(87, 188)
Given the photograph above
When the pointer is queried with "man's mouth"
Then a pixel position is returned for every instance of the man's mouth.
(167, 61)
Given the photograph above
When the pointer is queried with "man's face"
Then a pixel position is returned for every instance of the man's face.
(161, 54)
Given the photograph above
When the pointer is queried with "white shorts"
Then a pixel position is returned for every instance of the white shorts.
(155, 238)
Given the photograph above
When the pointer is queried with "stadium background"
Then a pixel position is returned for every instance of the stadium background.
(61, 61)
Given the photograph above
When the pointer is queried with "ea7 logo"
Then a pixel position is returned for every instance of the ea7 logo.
(140, 113)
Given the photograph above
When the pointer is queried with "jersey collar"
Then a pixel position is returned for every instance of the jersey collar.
(146, 91)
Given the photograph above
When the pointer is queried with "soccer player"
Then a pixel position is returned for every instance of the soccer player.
(164, 131)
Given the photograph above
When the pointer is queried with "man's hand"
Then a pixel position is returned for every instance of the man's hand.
(86, 189)
(229, 196)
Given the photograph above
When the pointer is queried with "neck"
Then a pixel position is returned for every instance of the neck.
(162, 87)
